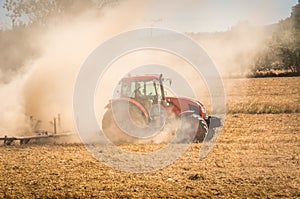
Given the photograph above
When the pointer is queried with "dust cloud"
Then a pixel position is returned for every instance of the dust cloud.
(234, 51)
(44, 87)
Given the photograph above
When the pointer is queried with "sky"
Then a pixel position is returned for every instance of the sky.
(217, 15)
(205, 15)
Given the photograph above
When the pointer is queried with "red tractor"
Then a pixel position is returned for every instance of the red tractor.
(142, 107)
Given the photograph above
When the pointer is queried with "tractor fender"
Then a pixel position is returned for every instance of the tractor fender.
(192, 114)
(186, 113)
(131, 101)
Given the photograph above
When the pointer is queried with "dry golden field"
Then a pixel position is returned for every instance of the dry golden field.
(263, 95)
(256, 156)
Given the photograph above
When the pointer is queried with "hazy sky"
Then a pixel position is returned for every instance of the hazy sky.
(217, 15)
(206, 15)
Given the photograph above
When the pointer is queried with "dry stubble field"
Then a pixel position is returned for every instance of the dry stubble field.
(257, 156)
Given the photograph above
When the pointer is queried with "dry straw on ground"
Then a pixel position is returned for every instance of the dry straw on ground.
(257, 156)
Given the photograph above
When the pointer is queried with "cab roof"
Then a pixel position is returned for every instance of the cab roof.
(141, 78)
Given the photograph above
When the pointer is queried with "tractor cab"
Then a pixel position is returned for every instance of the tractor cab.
(147, 90)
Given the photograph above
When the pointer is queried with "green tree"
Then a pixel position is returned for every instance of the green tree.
(295, 17)
(283, 49)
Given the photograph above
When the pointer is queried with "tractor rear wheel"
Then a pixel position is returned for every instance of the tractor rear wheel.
(120, 120)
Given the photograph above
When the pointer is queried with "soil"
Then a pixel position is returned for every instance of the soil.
(256, 156)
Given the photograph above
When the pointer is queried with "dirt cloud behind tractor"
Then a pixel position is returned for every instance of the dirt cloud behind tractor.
(44, 87)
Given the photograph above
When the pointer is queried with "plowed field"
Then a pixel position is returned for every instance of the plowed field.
(256, 156)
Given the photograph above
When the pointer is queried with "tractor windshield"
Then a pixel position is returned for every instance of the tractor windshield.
(140, 88)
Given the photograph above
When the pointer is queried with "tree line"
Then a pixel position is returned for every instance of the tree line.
(281, 51)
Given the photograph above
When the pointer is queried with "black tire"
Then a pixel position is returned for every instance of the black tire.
(113, 131)
(202, 130)
(110, 129)
(192, 129)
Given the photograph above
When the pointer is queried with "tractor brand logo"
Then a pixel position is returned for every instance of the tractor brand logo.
(143, 110)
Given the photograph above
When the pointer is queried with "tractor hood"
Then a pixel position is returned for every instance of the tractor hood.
(183, 104)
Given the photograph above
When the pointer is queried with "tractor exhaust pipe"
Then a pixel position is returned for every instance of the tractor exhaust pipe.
(162, 88)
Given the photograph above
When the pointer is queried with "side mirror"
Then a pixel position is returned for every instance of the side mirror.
(168, 80)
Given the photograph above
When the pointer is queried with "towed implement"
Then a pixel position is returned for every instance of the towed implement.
(40, 136)
(141, 109)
